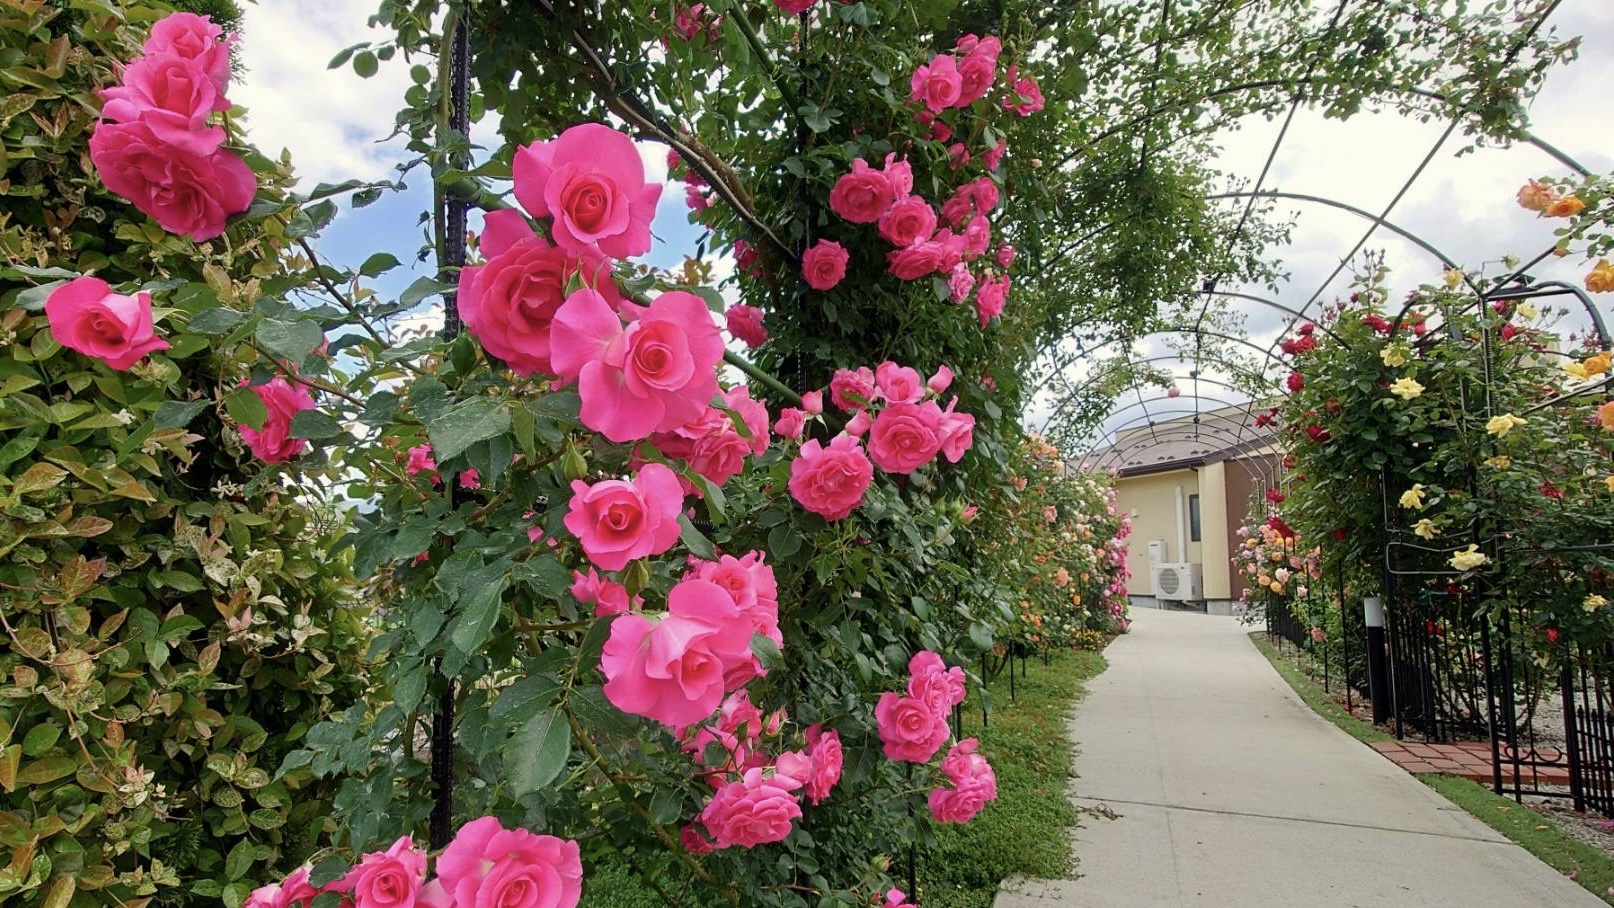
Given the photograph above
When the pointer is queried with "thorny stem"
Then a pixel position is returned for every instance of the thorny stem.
(589, 747)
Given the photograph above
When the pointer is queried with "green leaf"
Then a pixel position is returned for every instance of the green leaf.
(364, 63)
(316, 425)
(413, 538)
(380, 263)
(47, 769)
(174, 414)
(695, 540)
(479, 613)
(537, 752)
(421, 289)
(518, 700)
(466, 424)
(246, 407)
(217, 320)
(292, 341)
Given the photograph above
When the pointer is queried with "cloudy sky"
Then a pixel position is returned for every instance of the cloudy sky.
(332, 122)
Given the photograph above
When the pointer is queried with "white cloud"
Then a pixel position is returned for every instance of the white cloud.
(330, 120)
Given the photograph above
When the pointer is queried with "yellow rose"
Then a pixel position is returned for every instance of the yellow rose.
(1426, 529)
(1527, 311)
(1500, 461)
(1597, 363)
(1601, 278)
(1609, 481)
(1605, 415)
(1593, 603)
(1277, 587)
(1500, 426)
(1406, 388)
(1577, 370)
(1469, 558)
(1453, 278)
(1566, 207)
(1393, 356)
(1413, 497)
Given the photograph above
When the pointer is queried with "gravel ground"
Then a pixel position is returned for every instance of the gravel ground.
(1585, 827)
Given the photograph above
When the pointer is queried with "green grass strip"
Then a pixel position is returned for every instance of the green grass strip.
(1592, 869)
(1026, 831)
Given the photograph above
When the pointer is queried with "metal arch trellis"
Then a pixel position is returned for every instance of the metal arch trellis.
(1186, 431)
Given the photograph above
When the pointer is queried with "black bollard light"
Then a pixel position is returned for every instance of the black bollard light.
(1378, 662)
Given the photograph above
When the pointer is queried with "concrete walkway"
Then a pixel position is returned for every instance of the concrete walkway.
(1229, 791)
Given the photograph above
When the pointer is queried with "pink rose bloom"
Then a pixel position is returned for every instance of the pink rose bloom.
(895, 898)
(195, 38)
(969, 514)
(910, 729)
(959, 207)
(795, 7)
(974, 785)
(862, 195)
(420, 461)
(941, 381)
(958, 155)
(831, 481)
(957, 433)
(977, 237)
(753, 413)
(960, 283)
(976, 73)
(673, 669)
(751, 585)
(174, 98)
(696, 199)
(745, 257)
(931, 681)
(470, 479)
(851, 390)
(488, 865)
(910, 220)
(900, 174)
(905, 437)
(737, 730)
(915, 261)
(859, 424)
(510, 301)
(618, 521)
(653, 376)
(994, 155)
(590, 179)
(1005, 256)
(85, 315)
(386, 879)
(1026, 99)
(791, 423)
(898, 384)
(693, 841)
(753, 811)
(812, 402)
(184, 193)
(824, 265)
(986, 194)
(273, 443)
(687, 22)
(937, 84)
(990, 298)
(745, 325)
(607, 596)
(824, 748)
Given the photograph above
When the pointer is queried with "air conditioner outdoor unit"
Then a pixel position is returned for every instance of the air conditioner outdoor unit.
(1179, 582)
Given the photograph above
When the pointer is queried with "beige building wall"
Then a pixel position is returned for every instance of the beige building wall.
(1215, 548)
(1152, 502)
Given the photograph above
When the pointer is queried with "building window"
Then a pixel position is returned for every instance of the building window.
(1193, 518)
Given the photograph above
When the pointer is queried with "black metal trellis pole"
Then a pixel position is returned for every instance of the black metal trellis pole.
(451, 258)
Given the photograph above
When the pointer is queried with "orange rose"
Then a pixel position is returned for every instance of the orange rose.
(1536, 196)
(1605, 415)
(1566, 207)
(1601, 278)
